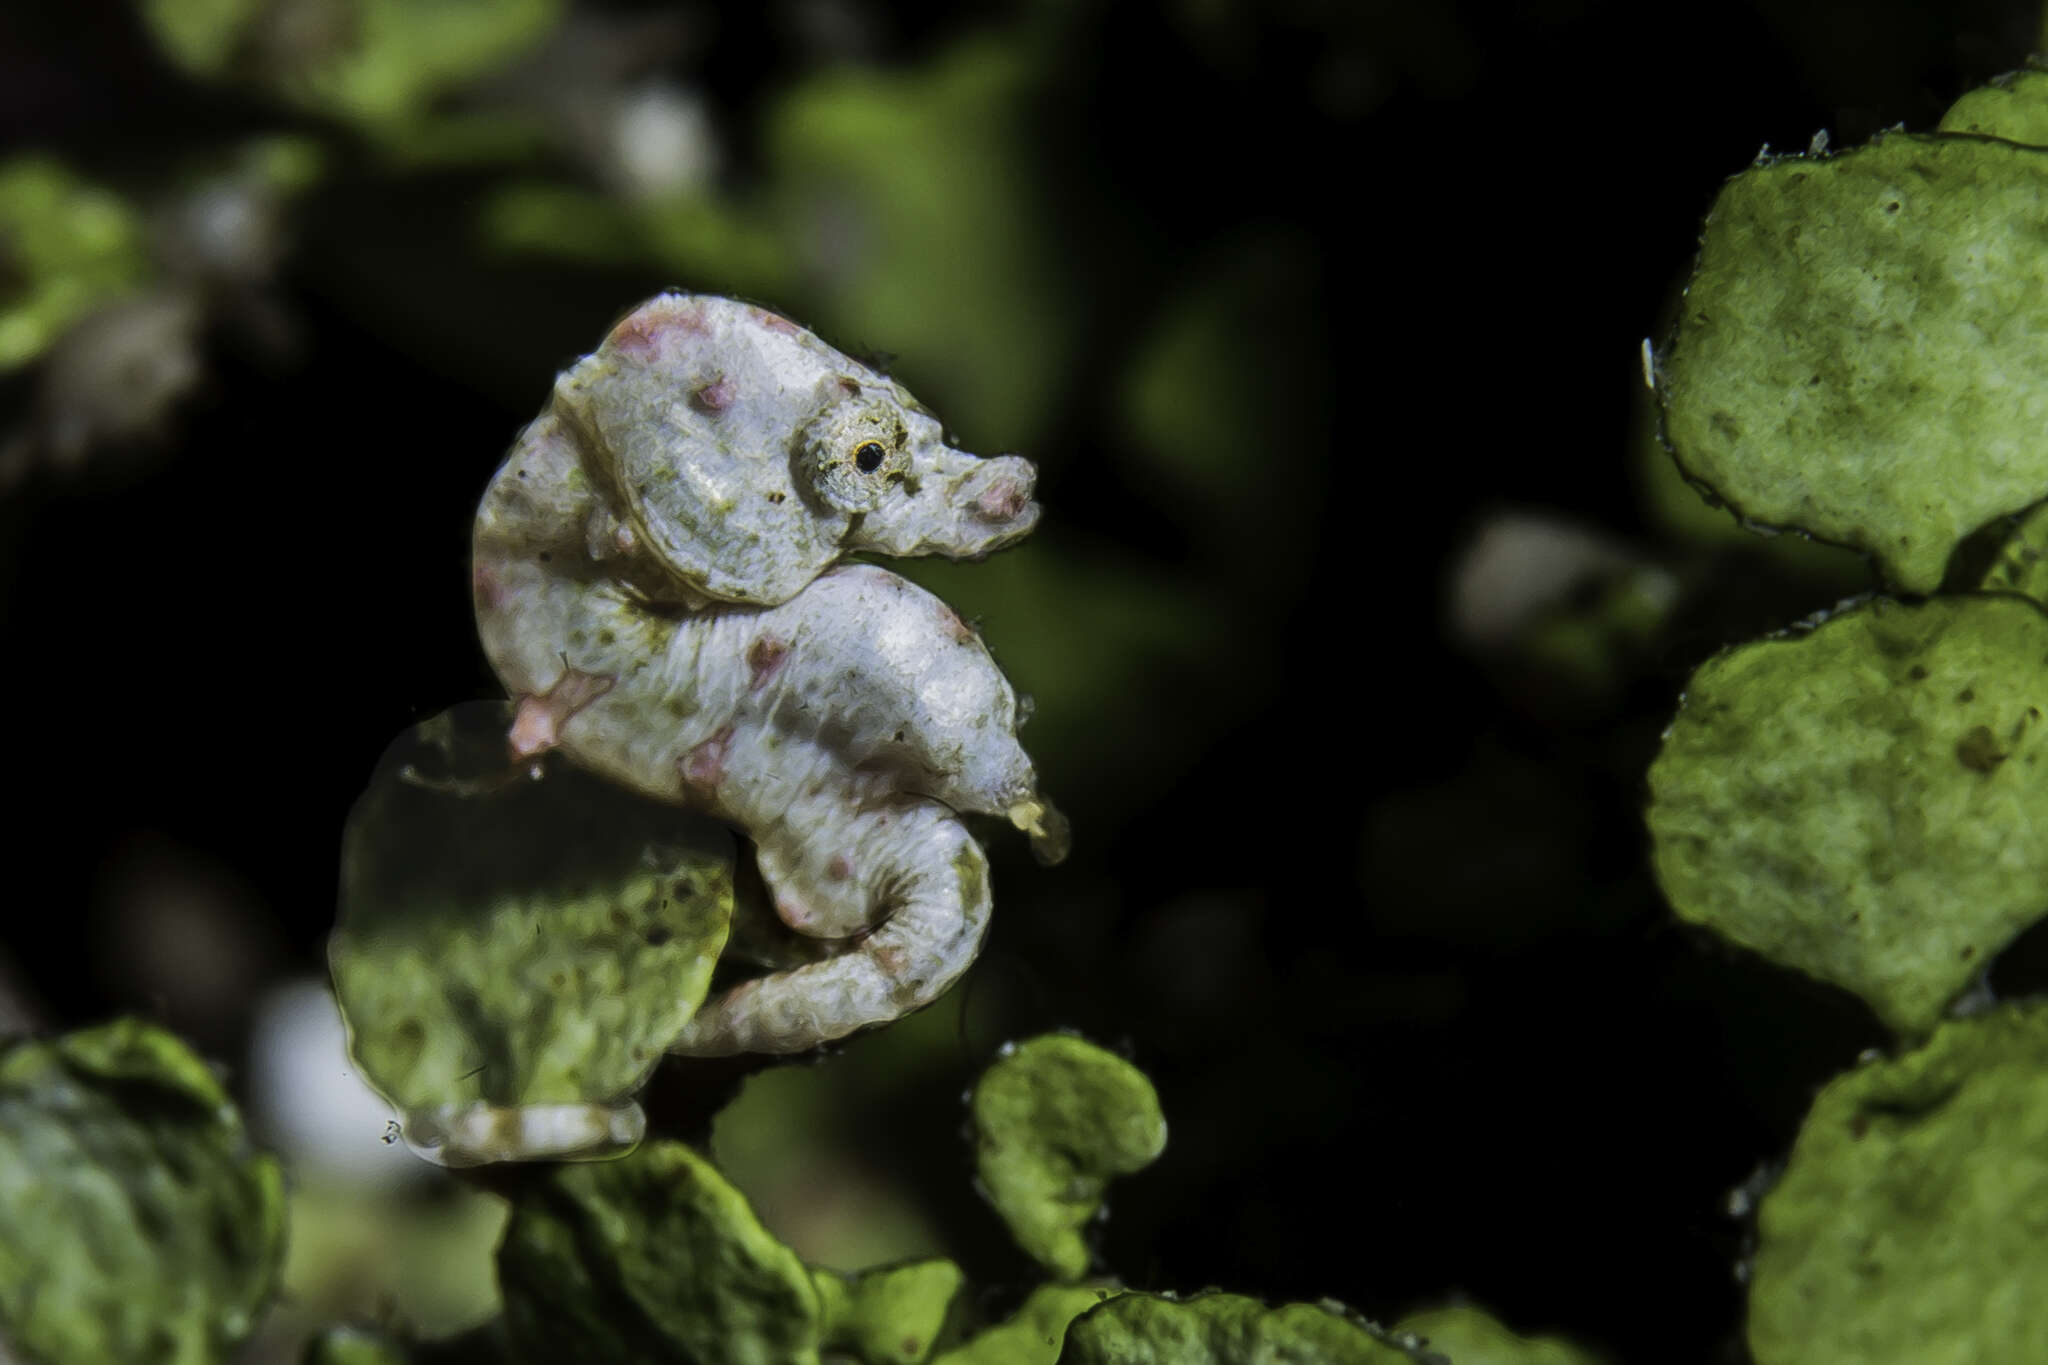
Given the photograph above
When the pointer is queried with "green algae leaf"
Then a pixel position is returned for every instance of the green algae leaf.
(1909, 1224)
(514, 956)
(66, 248)
(1472, 1336)
(1858, 354)
(1225, 1329)
(2022, 563)
(135, 1221)
(1033, 1334)
(1054, 1119)
(2013, 107)
(1865, 802)
(892, 1315)
(652, 1257)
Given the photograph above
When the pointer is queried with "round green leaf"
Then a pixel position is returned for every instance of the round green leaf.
(1865, 801)
(2013, 107)
(1859, 356)
(652, 1257)
(1911, 1225)
(135, 1221)
(1054, 1119)
(1033, 1334)
(1225, 1329)
(892, 1315)
(513, 956)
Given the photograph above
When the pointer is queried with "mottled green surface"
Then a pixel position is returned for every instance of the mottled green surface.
(1911, 1225)
(66, 247)
(2022, 563)
(520, 944)
(1223, 1329)
(1858, 354)
(1472, 1336)
(652, 1257)
(135, 1221)
(892, 1315)
(1054, 1119)
(354, 1346)
(2013, 107)
(1865, 801)
(1032, 1335)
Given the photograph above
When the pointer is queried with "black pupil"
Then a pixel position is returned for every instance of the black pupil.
(868, 457)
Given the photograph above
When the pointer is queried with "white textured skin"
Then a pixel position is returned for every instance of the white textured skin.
(656, 582)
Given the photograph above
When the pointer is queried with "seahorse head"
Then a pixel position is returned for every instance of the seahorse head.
(748, 456)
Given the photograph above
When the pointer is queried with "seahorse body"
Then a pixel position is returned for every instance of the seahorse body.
(665, 616)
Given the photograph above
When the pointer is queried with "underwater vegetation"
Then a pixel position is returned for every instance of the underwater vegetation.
(1499, 926)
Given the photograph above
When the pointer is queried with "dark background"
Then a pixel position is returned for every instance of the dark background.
(1374, 912)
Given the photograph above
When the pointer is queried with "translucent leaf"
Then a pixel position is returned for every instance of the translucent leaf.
(2013, 107)
(135, 1221)
(1858, 355)
(1472, 1336)
(1908, 1225)
(514, 956)
(652, 1257)
(2022, 563)
(892, 1315)
(66, 248)
(1032, 1335)
(1864, 801)
(1054, 1119)
(1225, 1329)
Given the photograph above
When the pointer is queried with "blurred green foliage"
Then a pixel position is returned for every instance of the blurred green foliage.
(375, 64)
(135, 1221)
(66, 247)
(1471, 1336)
(510, 949)
(1907, 1226)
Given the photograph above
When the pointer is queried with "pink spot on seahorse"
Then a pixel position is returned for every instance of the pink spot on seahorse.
(646, 332)
(537, 725)
(1002, 500)
(950, 622)
(715, 396)
(703, 768)
(775, 322)
(485, 583)
(765, 658)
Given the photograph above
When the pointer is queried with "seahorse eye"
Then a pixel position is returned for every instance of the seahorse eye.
(868, 456)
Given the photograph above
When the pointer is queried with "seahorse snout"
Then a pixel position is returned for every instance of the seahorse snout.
(999, 492)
